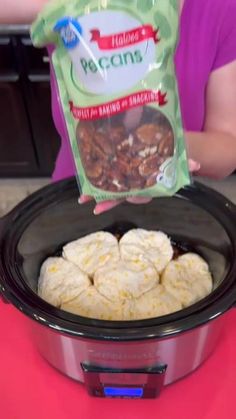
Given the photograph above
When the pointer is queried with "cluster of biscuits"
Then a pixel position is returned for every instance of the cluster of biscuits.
(136, 277)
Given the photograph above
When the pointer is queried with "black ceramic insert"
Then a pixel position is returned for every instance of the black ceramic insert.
(197, 218)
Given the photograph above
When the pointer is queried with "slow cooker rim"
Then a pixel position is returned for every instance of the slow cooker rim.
(195, 319)
(99, 330)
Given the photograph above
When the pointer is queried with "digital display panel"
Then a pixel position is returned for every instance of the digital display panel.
(123, 392)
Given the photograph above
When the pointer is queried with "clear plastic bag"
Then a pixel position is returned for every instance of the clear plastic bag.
(114, 66)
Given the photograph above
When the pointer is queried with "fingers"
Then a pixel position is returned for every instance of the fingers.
(106, 206)
(138, 200)
(193, 166)
(84, 198)
(102, 206)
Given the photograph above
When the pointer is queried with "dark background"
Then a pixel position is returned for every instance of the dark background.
(28, 140)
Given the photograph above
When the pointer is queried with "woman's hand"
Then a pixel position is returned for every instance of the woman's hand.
(107, 205)
(20, 12)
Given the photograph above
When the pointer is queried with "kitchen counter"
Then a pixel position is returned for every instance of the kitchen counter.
(31, 389)
(12, 29)
(226, 187)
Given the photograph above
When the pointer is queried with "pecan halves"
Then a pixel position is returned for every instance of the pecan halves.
(166, 145)
(148, 134)
(150, 165)
(152, 180)
(126, 151)
(116, 134)
(103, 141)
(94, 170)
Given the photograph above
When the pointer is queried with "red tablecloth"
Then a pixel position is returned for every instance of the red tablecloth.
(31, 389)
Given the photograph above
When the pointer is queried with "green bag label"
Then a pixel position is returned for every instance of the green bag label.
(114, 64)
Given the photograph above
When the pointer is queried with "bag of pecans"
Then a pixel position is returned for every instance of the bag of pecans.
(114, 66)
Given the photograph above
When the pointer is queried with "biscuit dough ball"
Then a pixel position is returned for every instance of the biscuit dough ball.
(153, 245)
(90, 303)
(125, 279)
(154, 303)
(93, 251)
(188, 279)
(60, 281)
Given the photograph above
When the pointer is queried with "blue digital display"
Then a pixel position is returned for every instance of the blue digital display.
(123, 392)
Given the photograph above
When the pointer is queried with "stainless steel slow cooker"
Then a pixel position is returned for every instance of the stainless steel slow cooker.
(120, 359)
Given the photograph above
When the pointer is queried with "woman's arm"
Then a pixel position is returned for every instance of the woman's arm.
(215, 148)
(19, 11)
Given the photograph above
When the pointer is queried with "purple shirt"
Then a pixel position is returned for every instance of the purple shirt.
(207, 42)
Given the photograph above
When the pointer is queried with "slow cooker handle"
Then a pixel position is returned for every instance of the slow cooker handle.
(3, 221)
(3, 299)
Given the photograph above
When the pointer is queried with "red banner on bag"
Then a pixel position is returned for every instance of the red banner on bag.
(120, 105)
(124, 39)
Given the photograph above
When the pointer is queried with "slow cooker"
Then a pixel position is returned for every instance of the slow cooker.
(132, 359)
